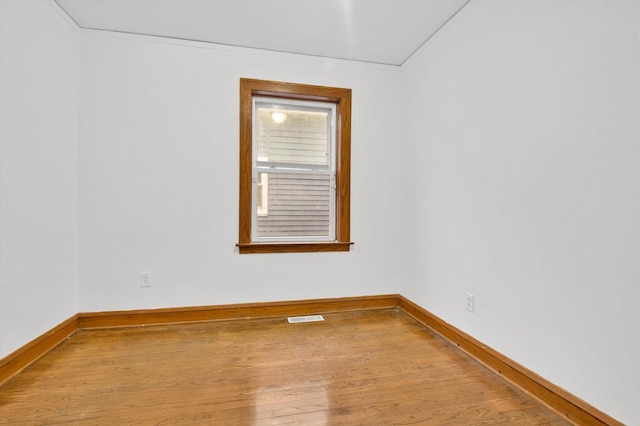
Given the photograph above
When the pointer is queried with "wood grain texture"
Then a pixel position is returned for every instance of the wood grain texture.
(293, 247)
(343, 169)
(27, 354)
(572, 407)
(342, 98)
(245, 310)
(575, 409)
(355, 368)
(245, 161)
(13, 363)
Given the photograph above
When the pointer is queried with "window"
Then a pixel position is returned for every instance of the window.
(294, 167)
(261, 192)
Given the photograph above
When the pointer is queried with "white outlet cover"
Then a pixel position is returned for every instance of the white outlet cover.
(469, 302)
(145, 279)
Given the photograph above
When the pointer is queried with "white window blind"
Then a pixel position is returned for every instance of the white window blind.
(294, 151)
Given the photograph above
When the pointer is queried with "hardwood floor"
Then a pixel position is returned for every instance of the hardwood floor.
(377, 367)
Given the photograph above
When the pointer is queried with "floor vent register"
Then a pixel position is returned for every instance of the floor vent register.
(308, 318)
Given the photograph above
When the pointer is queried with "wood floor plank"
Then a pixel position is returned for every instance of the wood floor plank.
(355, 368)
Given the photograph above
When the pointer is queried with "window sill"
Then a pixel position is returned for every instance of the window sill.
(245, 248)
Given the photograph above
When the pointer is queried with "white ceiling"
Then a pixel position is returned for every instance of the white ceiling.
(379, 31)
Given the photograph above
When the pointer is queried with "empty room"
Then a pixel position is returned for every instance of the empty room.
(314, 212)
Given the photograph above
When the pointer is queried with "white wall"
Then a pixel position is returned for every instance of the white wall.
(159, 178)
(525, 120)
(502, 160)
(38, 170)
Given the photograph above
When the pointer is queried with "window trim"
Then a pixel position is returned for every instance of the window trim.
(342, 99)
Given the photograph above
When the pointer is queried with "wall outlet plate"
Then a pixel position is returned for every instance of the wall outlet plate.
(145, 279)
(469, 302)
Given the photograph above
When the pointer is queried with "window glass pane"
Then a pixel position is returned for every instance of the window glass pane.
(262, 188)
(298, 206)
(290, 135)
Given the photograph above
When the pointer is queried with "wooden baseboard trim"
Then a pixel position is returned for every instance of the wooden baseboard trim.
(222, 312)
(22, 357)
(573, 408)
(15, 362)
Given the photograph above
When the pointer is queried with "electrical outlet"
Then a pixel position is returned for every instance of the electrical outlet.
(145, 279)
(469, 302)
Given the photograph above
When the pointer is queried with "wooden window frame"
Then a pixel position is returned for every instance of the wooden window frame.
(342, 99)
